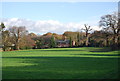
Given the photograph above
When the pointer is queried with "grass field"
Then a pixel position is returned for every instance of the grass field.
(61, 63)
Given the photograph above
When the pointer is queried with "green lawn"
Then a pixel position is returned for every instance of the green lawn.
(61, 63)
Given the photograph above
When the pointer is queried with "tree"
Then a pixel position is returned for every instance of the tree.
(17, 33)
(71, 42)
(78, 39)
(52, 42)
(111, 24)
(100, 38)
(26, 42)
(87, 29)
(4, 36)
(69, 34)
(32, 35)
(6, 40)
(39, 43)
(2, 27)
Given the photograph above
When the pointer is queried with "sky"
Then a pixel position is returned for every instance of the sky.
(57, 17)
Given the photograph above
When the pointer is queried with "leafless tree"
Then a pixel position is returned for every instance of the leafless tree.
(17, 33)
(87, 29)
(111, 24)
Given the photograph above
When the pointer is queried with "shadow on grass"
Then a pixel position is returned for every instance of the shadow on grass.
(99, 54)
(61, 50)
(61, 57)
(102, 50)
(51, 50)
(63, 68)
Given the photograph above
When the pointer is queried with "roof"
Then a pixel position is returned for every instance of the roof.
(63, 41)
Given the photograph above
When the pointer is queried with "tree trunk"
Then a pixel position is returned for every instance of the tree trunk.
(87, 40)
(17, 45)
(106, 41)
(115, 40)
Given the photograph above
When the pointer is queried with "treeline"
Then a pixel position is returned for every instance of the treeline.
(16, 38)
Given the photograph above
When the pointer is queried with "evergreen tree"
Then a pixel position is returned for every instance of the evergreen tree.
(52, 42)
(70, 42)
(78, 39)
(39, 43)
(2, 26)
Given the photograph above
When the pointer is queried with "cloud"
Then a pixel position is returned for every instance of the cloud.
(44, 26)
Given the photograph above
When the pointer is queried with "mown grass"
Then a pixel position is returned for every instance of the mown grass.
(61, 63)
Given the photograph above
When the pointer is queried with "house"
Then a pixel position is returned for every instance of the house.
(60, 40)
(63, 43)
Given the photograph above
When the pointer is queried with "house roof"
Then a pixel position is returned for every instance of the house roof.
(63, 41)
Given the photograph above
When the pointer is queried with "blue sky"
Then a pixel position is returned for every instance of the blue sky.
(63, 12)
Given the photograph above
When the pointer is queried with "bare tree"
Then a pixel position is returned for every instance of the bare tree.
(111, 23)
(87, 29)
(17, 33)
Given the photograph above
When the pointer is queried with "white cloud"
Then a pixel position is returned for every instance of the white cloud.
(44, 26)
(96, 27)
